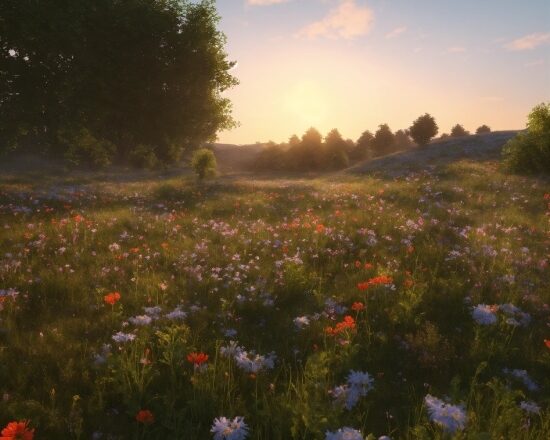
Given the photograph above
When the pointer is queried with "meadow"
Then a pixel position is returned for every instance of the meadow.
(413, 306)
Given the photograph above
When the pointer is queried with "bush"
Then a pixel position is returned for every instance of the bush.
(483, 129)
(529, 152)
(143, 156)
(204, 163)
(82, 148)
(458, 131)
(423, 129)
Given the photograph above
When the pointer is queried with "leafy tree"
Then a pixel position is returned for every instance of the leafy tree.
(383, 141)
(363, 146)
(336, 155)
(423, 129)
(483, 129)
(130, 73)
(529, 151)
(293, 141)
(403, 140)
(308, 154)
(458, 131)
(204, 163)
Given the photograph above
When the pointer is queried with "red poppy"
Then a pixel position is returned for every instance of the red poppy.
(357, 264)
(320, 228)
(547, 343)
(382, 279)
(112, 298)
(357, 306)
(17, 431)
(145, 416)
(197, 359)
(347, 324)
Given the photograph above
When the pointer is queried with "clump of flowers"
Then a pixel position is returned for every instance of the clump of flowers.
(451, 418)
(145, 416)
(381, 280)
(17, 431)
(112, 298)
(485, 314)
(198, 360)
(348, 324)
(344, 434)
(301, 321)
(122, 337)
(358, 385)
(524, 377)
(227, 429)
(530, 407)
(249, 362)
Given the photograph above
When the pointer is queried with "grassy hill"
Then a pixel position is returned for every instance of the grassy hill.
(146, 306)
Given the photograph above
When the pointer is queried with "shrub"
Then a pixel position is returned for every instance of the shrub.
(82, 148)
(529, 152)
(483, 129)
(423, 129)
(204, 163)
(458, 131)
(143, 156)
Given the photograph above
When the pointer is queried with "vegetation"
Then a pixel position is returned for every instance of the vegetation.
(459, 131)
(112, 81)
(529, 151)
(204, 163)
(383, 142)
(482, 129)
(423, 129)
(363, 302)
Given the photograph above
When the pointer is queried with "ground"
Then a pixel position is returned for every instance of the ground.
(146, 305)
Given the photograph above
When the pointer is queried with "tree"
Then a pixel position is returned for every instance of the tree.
(458, 131)
(383, 141)
(293, 141)
(308, 154)
(336, 155)
(204, 163)
(130, 73)
(483, 129)
(363, 146)
(423, 129)
(402, 140)
(529, 151)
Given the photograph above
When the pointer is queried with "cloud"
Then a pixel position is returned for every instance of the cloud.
(529, 42)
(456, 49)
(396, 32)
(265, 2)
(348, 20)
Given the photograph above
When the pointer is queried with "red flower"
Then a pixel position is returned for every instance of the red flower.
(547, 343)
(112, 298)
(347, 324)
(145, 416)
(357, 264)
(197, 359)
(357, 306)
(320, 228)
(17, 431)
(382, 279)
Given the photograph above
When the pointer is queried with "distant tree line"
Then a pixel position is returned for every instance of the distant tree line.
(312, 152)
(109, 81)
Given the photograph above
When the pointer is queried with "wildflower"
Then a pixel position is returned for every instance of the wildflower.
(114, 247)
(357, 306)
(484, 314)
(347, 324)
(524, 377)
(320, 228)
(145, 416)
(112, 298)
(547, 343)
(344, 434)
(358, 385)
(253, 363)
(376, 281)
(530, 407)
(121, 337)
(226, 429)
(141, 320)
(17, 431)
(301, 322)
(176, 314)
(451, 418)
(197, 359)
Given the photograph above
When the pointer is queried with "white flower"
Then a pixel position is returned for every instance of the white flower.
(121, 337)
(114, 247)
(484, 314)
(141, 320)
(226, 429)
(450, 417)
(344, 434)
(153, 311)
(301, 321)
(358, 385)
(176, 314)
(531, 407)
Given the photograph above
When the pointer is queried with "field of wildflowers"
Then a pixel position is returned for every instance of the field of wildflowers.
(411, 307)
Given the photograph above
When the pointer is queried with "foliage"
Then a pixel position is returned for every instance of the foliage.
(363, 146)
(204, 163)
(529, 151)
(129, 73)
(458, 131)
(383, 142)
(483, 129)
(423, 129)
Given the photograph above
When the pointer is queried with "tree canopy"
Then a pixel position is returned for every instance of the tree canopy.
(133, 75)
(423, 129)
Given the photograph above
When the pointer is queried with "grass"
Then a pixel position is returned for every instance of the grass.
(240, 260)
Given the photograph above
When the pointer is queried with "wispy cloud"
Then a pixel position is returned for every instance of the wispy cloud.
(396, 32)
(529, 42)
(456, 49)
(348, 20)
(265, 2)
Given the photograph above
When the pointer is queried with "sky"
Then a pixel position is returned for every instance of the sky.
(355, 64)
